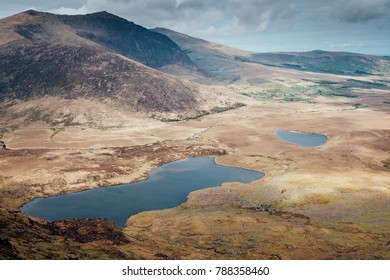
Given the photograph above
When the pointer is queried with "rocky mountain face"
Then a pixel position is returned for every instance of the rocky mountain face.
(92, 56)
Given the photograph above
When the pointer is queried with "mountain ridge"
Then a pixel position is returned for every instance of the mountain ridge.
(99, 29)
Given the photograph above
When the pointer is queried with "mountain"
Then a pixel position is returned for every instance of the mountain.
(218, 58)
(92, 56)
(29, 71)
(342, 63)
(126, 38)
(105, 29)
(209, 56)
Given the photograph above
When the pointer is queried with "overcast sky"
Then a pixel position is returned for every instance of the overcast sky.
(255, 25)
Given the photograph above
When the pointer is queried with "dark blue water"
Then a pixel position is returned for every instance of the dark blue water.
(301, 139)
(167, 186)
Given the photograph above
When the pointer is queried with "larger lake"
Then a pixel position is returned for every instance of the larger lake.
(167, 186)
(301, 139)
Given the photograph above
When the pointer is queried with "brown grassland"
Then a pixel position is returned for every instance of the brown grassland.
(327, 202)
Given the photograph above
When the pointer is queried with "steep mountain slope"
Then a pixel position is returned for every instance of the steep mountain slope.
(43, 54)
(207, 55)
(71, 72)
(342, 63)
(104, 29)
(131, 40)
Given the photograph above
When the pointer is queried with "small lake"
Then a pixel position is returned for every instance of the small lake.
(167, 186)
(301, 139)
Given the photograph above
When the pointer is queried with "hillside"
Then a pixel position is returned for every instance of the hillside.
(45, 55)
(73, 72)
(97, 29)
(126, 38)
(209, 56)
(342, 63)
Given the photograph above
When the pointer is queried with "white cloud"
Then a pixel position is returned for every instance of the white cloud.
(339, 45)
(69, 11)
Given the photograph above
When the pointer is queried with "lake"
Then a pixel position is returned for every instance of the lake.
(167, 186)
(301, 139)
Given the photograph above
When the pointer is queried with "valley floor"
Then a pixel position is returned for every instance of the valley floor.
(328, 202)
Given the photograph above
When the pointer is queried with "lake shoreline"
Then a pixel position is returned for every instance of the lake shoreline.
(53, 203)
(305, 140)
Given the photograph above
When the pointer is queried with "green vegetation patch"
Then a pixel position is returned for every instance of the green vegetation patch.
(367, 85)
(202, 113)
(279, 93)
(219, 109)
(323, 62)
(300, 93)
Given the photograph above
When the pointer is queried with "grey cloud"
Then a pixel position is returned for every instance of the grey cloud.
(249, 13)
(199, 5)
(216, 19)
(259, 15)
(363, 10)
(44, 5)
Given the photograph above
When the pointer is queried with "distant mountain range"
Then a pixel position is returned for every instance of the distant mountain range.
(213, 56)
(341, 63)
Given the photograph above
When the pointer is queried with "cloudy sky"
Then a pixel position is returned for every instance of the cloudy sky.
(255, 25)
